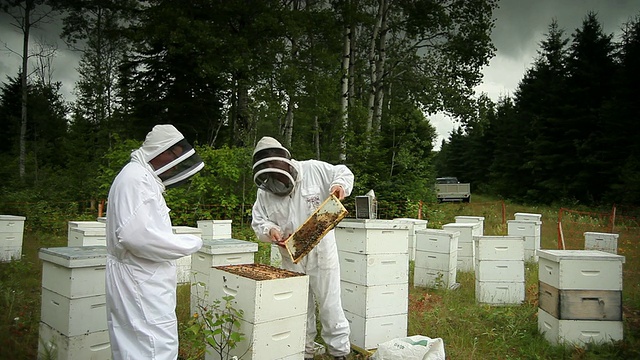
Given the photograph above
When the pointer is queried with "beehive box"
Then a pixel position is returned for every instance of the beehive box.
(423, 277)
(74, 272)
(85, 225)
(523, 228)
(466, 249)
(373, 301)
(370, 236)
(278, 339)
(528, 216)
(94, 346)
(367, 333)
(217, 252)
(263, 292)
(580, 269)
(499, 248)
(465, 263)
(72, 317)
(500, 270)
(436, 261)
(215, 229)
(375, 269)
(580, 304)
(11, 236)
(90, 236)
(578, 332)
(436, 240)
(500, 292)
(601, 241)
(472, 219)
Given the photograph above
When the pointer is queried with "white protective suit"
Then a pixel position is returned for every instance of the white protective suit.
(287, 213)
(141, 251)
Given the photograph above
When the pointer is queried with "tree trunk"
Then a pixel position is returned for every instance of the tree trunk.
(26, 27)
(373, 62)
(344, 91)
(380, 63)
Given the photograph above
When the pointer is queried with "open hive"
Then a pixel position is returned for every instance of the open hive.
(258, 272)
(309, 234)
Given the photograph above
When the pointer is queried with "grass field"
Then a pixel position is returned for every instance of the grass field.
(469, 330)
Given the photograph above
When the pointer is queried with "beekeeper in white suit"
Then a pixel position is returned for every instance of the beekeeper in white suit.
(289, 191)
(141, 247)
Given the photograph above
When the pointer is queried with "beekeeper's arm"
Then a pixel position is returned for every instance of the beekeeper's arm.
(335, 177)
(265, 229)
(147, 233)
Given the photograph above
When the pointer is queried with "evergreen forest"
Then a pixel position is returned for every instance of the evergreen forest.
(351, 82)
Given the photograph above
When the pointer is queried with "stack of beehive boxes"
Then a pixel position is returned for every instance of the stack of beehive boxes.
(436, 258)
(73, 310)
(580, 296)
(216, 252)
(274, 304)
(11, 235)
(499, 270)
(466, 249)
(601, 241)
(414, 225)
(527, 225)
(374, 269)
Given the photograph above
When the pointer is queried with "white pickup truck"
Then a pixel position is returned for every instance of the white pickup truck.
(449, 189)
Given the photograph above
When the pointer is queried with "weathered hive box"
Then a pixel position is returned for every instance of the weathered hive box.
(578, 332)
(374, 269)
(274, 302)
(215, 229)
(94, 346)
(89, 236)
(580, 269)
(74, 272)
(436, 240)
(367, 333)
(471, 219)
(414, 225)
(527, 216)
(601, 241)
(374, 301)
(367, 236)
(11, 236)
(603, 305)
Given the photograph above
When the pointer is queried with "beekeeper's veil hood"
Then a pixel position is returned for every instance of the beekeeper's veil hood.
(273, 169)
(172, 158)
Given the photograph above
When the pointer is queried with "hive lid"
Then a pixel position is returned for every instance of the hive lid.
(90, 231)
(227, 246)
(536, 222)
(469, 217)
(214, 221)
(12, 218)
(186, 230)
(461, 225)
(557, 255)
(412, 221)
(309, 234)
(373, 224)
(449, 233)
(75, 257)
(86, 224)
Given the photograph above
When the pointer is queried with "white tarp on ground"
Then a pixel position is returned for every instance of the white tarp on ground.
(415, 347)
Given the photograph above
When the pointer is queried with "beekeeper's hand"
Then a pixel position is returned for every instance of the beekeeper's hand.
(276, 237)
(338, 191)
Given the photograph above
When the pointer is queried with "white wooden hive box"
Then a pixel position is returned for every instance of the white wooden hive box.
(500, 270)
(578, 332)
(601, 241)
(217, 252)
(94, 346)
(367, 236)
(215, 229)
(94, 236)
(372, 301)
(375, 269)
(436, 240)
(500, 292)
(12, 224)
(72, 317)
(74, 272)
(580, 269)
(523, 228)
(467, 230)
(527, 216)
(368, 333)
(436, 261)
(499, 247)
(269, 294)
(432, 278)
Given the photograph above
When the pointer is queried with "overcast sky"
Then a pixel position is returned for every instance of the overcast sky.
(520, 26)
